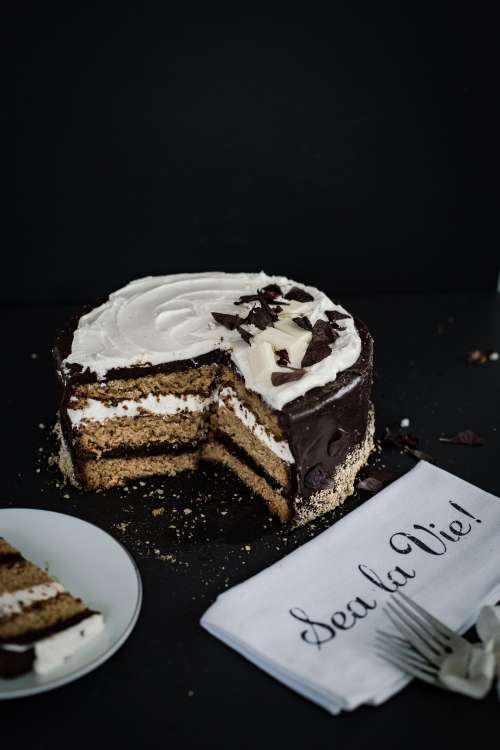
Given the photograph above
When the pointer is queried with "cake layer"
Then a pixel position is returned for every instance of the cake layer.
(114, 472)
(6, 548)
(245, 458)
(228, 400)
(228, 423)
(38, 617)
(17, 573)
(265, 416)
(124, 435)
(187, 381)
(278, 504)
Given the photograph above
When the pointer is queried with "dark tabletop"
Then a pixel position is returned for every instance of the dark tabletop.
(172, 684)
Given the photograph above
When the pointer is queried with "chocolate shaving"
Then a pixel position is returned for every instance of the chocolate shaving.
(370, 484)
(272, 314)
(260, 317)
(258, 297)
(334, 315)
(277, 302)
(303, 322)
(247, 298)
(420, 455)
(322, 331)
(406, 441)
(319, 346)
(335, 327)
(316, 478)
(299, 295)
(376, 480)
(280, 378)
(401, 440)
(245, 335)
(228, 321)
(467, 437)
(271, 291)
(283, 358)
(315, 352)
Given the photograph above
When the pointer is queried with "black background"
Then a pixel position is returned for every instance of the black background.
(352, 149)
(354, 144)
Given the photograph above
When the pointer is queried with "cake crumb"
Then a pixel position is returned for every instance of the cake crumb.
(187, 511)
(158, 511)
(405, 422)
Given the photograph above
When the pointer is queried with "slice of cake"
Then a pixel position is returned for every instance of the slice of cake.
(41, 624)
(264, 375)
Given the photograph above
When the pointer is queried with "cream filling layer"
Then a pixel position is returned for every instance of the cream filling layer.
(13, 603)
(53, 651)
(228, 397)
(165, 405)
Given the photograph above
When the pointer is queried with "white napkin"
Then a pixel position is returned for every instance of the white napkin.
(310, 619)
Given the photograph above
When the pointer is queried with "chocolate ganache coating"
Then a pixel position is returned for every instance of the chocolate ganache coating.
(327, 423)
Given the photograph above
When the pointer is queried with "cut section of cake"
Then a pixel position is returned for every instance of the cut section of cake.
(259, 373)
(41, 624)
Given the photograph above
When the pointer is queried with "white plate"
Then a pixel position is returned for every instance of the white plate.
(90, 564)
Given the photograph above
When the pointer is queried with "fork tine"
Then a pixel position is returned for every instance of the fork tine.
(392, 636)
(408, 632)
(397, 642)
(407, 661)
(408, 655)
(445, 631)
(407, 668)
(414, 624)
(407, 648)
(428, 628)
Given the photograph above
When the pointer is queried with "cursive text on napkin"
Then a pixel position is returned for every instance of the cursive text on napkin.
(428, 539)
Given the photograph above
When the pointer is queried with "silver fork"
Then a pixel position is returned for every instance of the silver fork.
(424, 642)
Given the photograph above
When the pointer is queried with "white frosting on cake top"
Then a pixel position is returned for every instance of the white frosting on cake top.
(160, 319)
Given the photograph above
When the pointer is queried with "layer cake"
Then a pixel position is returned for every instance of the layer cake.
(259, 373)
(41, 624)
